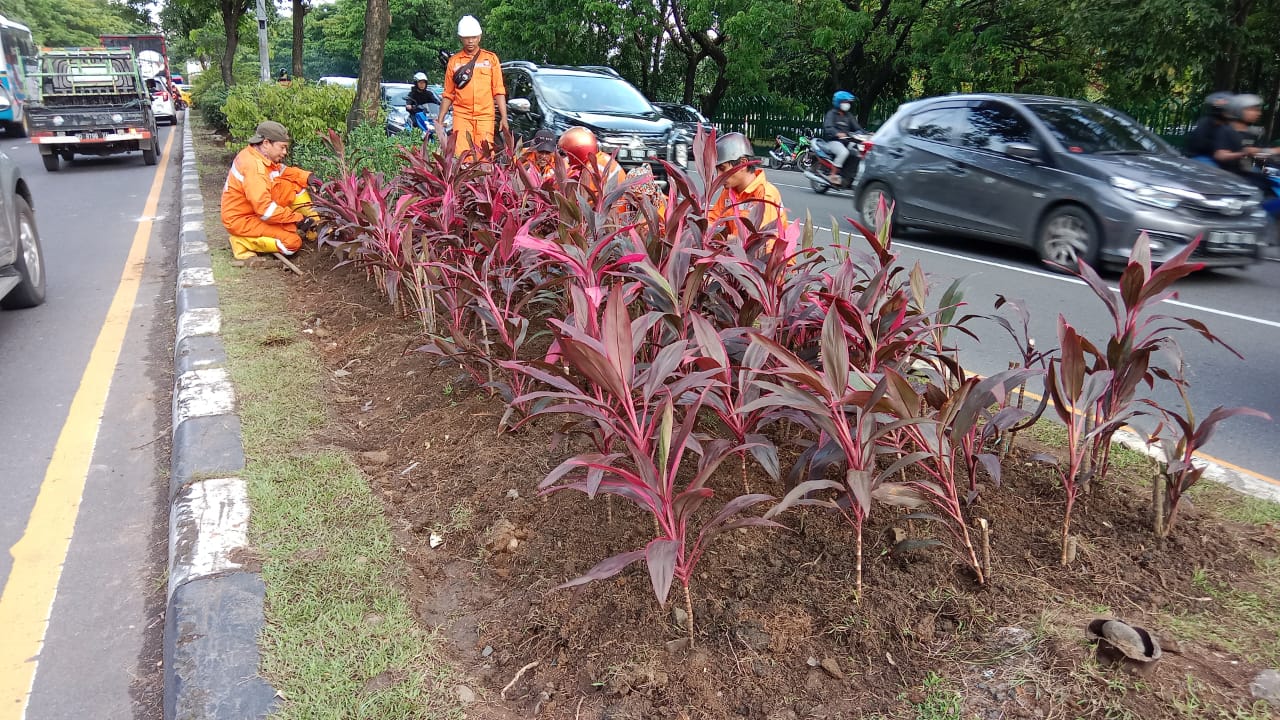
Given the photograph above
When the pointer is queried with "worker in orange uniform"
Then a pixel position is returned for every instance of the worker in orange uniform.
(472, 88)
(265, 204)
(580, 146)
(745, 189)
(540, 153)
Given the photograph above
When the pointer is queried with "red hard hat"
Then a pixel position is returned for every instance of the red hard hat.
(579, 144)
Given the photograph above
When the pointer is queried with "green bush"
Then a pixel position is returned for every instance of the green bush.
(306, 109)
(368, 148)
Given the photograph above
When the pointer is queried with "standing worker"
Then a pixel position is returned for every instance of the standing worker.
(265, 204)
(472, 87)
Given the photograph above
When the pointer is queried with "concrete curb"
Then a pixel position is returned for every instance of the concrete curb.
(215, 599)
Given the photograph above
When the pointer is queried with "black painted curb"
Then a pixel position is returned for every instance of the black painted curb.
(215, 602)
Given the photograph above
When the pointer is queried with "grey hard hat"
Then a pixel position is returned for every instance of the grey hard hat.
(732, 147)
(1240, 103)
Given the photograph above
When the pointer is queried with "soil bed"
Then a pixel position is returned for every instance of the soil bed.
(779, 633)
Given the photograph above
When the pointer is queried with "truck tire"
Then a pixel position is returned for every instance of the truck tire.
(149, 154)
(30, 265)
(51, 162)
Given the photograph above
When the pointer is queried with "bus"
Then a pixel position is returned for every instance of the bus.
(18, 53)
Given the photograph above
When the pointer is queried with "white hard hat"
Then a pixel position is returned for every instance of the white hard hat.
(420, 77)
(468, 26)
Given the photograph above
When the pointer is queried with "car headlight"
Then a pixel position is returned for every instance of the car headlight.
(1167, 198)
(682, 155)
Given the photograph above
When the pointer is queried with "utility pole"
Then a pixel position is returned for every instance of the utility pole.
(264, 55)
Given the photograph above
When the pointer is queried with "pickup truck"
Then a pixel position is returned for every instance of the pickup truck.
(91, 102)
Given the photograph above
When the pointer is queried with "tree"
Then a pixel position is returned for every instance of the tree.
(61, 23)
(300, 9)
(377, 22)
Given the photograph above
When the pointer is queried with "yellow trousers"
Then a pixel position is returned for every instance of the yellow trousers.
(244, 248)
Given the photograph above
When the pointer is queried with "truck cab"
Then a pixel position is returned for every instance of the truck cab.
(91, 102)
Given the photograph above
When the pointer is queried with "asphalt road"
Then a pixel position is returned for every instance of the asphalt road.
(100, 654)
(1239, 306)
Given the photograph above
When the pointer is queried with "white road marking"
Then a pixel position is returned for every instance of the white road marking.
(1074, 281)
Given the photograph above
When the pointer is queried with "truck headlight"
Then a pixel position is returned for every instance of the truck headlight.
(58, 120)
(117, 118)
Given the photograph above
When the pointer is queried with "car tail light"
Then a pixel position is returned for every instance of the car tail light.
(866, 147)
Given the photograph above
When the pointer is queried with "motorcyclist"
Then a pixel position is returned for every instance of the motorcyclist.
(1201, 138)
(419, 97)
(838, 127)
(1233, 147)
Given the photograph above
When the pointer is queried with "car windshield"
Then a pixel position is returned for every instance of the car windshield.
(395, 96)
(1097, 130)
(592, 93)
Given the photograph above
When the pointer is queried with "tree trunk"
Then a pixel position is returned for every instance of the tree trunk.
(231, 13)
(377, 23)
(299, 14)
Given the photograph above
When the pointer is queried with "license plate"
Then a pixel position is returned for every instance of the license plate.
(1223, 239)
(91, 136)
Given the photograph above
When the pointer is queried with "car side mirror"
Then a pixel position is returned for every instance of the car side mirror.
(1023, 151)
(520, 105)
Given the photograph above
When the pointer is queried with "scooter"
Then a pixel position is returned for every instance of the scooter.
(819, 174)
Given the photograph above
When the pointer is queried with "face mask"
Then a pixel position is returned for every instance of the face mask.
(844, 107)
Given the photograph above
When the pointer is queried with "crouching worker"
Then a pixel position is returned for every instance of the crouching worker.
(265, 204)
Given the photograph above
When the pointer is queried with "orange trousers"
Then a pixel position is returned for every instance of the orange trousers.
(471, 132)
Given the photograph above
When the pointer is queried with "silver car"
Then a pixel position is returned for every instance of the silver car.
(21, 258)
(1070, 179)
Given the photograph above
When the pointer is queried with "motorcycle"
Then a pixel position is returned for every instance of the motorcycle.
(819, 174)
(788, 153)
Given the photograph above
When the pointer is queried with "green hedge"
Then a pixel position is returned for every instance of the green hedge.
(305, 109)
(368, 148)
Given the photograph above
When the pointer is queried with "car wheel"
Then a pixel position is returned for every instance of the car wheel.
(873, 196)
(1068, 234)
(51, 162)
(149, 154)
(30, 265)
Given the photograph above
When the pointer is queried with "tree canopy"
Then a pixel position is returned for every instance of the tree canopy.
(63, 23)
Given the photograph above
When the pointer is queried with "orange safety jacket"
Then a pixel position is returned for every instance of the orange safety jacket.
(258, 194)
(476, 100)
(760, 192)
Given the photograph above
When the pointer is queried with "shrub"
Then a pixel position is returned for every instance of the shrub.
(371, 149)
(306, 109)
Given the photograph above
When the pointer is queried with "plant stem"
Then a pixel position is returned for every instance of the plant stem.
(688, 608)
(858, 581)
(1066, 533)
(746, 486)
(985, 527)
(1157, 504)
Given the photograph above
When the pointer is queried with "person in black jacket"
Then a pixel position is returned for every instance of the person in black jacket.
(1201, 139)
(838, 128)
(419, 97)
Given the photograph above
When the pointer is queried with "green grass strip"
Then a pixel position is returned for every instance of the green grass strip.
(341, 640)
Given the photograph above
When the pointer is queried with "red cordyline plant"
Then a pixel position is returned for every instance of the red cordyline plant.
(1137, 335)
(1180, 437)
(735, 391)
(840, 401)
(945, 443)
(1077, 392)
(650, 411)
(1030, 358)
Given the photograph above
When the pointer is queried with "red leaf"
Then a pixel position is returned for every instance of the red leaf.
(661, 555)
(605, 569)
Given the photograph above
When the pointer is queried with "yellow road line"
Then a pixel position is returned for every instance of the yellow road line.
(38, 556)
(1203, 456)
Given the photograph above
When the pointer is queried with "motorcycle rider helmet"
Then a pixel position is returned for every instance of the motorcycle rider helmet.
(579, 144)
(732, 147)
(1215, 105)
(1240, 103)
(842, 96)
(419, 77)
(468, 26)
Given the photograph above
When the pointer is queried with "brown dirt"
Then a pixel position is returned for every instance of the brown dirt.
(769, 605)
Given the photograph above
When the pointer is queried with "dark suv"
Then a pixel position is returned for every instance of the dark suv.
(557, 98)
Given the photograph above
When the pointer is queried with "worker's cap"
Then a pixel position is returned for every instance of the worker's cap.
(270, 130)
(544, 141)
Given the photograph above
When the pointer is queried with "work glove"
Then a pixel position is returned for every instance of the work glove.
(306, 225)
